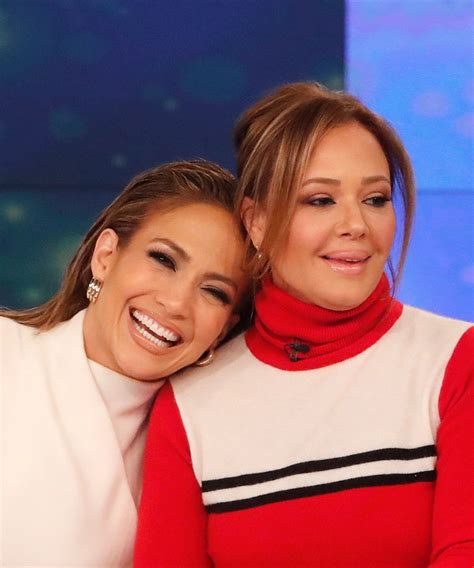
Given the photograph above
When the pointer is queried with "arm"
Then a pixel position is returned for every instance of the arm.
(172, 523)
(453, 514)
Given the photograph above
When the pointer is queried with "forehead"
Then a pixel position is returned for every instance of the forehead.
(349, 146)
(186, 216)
(207, 233)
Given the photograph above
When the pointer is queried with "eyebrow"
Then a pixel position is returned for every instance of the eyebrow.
(185, 256)
(330, 181)
(176, 248)
(374, 179)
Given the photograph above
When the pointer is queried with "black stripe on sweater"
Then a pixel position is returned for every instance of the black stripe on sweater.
(301, 492)
(403, 454)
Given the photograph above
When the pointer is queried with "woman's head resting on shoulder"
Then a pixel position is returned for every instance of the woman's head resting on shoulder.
(318, 173)
(168, 256)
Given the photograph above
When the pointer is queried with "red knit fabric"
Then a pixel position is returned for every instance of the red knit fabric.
(282, 320)
(414, 524)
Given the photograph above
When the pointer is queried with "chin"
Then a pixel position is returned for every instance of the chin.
(341, 306)
(341, 302)
(136, 368)
(348, 296)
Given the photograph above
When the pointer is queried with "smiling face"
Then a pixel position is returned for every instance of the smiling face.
(343, 226)
(168, 295)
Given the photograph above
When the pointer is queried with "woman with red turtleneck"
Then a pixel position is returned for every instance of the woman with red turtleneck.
(338, 431)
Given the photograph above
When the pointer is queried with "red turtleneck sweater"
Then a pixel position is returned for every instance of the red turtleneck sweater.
(327, 439)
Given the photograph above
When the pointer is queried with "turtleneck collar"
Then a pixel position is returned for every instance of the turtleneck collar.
(292, 335)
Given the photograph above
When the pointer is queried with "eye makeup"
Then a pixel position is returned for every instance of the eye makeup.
(218, 294)
(163, 258)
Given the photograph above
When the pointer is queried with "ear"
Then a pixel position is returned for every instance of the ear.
(104, 254)
(254, 219)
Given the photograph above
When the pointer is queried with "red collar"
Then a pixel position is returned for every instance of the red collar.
(292, 335)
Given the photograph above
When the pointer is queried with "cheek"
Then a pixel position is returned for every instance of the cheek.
(306, 235)
(133, 280)
(210, 321)
(386, 234)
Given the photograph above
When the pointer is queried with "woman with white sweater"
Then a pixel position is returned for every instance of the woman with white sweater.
(154, 286)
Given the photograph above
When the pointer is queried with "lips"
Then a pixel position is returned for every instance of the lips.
(347, 262)
(152, 330)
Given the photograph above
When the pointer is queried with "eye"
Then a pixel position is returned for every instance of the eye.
(377, 200)
(163, 259)
(323, 201)
(218, 294)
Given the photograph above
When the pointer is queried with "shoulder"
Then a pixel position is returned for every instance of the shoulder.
(425, 330)
(23, 342)
(228, 375)
(458, 382)
(433, 323)
(18, 347)
(13, 333)
(230, 360)
(8, 324)
(437, 349)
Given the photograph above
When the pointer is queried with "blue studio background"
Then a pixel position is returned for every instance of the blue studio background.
(93, 91)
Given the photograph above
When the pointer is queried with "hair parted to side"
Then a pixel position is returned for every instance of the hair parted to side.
(274, 140)
(168, 186)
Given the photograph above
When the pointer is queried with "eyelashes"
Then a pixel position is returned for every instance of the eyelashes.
(321, 201)
(168, 262)
(163, 259)
(218, 295)
(378, 201)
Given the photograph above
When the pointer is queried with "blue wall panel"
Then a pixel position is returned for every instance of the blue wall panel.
(93, 91)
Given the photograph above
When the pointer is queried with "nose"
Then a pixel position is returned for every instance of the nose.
(352, 223)
(176, 300)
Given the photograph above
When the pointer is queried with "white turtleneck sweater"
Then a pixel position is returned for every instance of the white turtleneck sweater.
(72, 437)
(128, 402)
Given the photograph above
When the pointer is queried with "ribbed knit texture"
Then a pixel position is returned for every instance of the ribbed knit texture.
(330, 336)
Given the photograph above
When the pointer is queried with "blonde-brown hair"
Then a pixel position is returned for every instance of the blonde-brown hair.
(274, 140)
(167, 186)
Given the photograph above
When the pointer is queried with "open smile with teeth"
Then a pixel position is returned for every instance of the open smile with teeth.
(153, 331)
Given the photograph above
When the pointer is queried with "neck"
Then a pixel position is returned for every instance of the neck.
(293, 335)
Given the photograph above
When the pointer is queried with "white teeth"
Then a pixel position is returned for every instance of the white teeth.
(155, 327)
(149, 336)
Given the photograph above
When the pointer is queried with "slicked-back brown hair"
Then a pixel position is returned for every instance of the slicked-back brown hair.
(165, 187)
(274, 140)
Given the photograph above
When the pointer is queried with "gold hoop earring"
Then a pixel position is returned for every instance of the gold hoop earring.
(93, 290)
(206, 359)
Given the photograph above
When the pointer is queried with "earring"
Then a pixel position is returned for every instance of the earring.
(93, 290)
(207, 359)
(259, 255)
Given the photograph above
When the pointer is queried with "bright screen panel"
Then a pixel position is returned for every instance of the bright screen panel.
(412, 61)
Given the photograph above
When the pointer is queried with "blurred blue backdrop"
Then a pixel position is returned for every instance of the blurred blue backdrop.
(413, 61)
(93, 91)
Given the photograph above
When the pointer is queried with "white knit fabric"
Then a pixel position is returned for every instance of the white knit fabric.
(128, 402)
(71, 448)
(385, 397)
